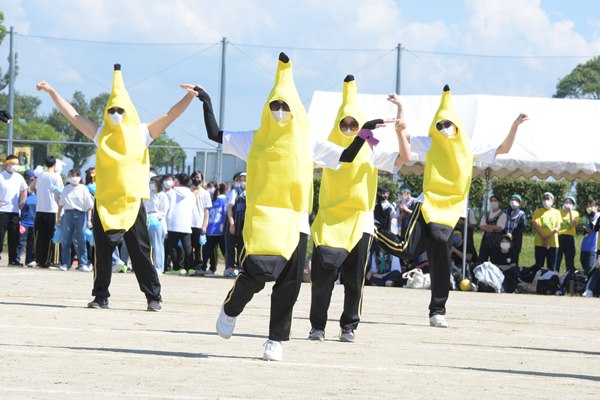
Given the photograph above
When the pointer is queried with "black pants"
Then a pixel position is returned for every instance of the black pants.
(173, 238)
(44, 230)
(566, 247)
(435, 240)
(210, 248)
(137, 240)
(196, 248)
(323, 280)
(283, 297)
(234, 245)
(9, 223)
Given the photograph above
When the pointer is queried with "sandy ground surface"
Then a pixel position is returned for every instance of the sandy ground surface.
(51, 347)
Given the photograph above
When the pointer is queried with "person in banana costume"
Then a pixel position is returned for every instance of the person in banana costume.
(446, 183)
(343, 228)
(280, 157)
(122, 170)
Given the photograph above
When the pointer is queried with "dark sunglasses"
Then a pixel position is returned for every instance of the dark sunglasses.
(352, 125)
(117, 110)
(443, 124)
(279, 105)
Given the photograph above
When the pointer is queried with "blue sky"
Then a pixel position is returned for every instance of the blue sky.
(516, 48)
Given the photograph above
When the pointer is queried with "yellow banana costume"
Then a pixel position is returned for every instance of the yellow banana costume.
(347, 194)
(279, 179)
(122, 163)
(448, 169)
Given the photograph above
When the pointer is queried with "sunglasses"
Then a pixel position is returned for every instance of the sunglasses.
(279, 105)
(443, 124)
(353, 126)
(117, 110)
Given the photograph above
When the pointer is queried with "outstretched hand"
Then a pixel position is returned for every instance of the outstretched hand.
(521, 118)
(393, 98)
(191, 88)
(44, 86)
(377, 123)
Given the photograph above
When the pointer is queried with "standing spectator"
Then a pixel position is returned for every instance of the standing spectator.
(236, 210)
(90, 180)
(215, 232)
(515, 224)
(199, 216)
(157, 207)
(590, 239)
(27, 220)
(179, 222)
(566, 234)
(13, 194)
(48, 187)
(546, 224)
(407, 205)
(77, 203)
(492, 226)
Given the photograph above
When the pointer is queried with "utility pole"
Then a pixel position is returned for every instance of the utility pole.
(221, 111)
(398, 66)
(11, 91)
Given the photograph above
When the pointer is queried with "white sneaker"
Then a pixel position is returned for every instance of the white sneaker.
(225, 325)
(438, 321)
(273, 351)
(116, 267)
(63, 268)
(85, 268)
(32, 264)
(588, 293)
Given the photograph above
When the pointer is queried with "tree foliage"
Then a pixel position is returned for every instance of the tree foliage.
(4, 78)
(163, 158)
(94, 110)
(33, 130)
(582, 83)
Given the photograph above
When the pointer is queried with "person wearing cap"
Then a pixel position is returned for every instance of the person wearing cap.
(492, 224)
(566, 235)
(122, 170)
(515, 223)
(546, 222)
(48, 187)
(504, 257)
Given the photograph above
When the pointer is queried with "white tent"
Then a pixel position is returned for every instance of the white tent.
(559, 140)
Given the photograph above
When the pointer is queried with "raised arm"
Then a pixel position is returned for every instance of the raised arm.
(400, 126)
(210, 122)
(159, 125)
(510, 138)
(84, 125)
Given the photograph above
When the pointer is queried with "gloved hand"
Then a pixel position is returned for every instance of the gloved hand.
(5, 117)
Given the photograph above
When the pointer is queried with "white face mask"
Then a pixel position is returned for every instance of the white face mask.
(567, 206)
(494, 205)
(152, 188)
(116, 118)
(514, 204)
(74, 180)
(505, 246)
(448, 131)
(283, 117)
(243, 185)
(548, 203)
(11, 168)
(168, 184)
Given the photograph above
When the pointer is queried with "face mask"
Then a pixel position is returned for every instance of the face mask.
(589, 210)
(514, 204)
(236, 184)
(505, 246)
(548, 203)
(168, 184)
(455, 240)
(211, 190)
(494, 205)
(283, 117)
(243, 185)
(116, 118)
(74, 180)
(447, 131)
(11, 168)
(196, 182)
(152, 188)
(567, 206)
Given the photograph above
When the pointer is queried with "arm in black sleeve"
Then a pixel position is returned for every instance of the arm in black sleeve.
(349, 154)
(212, 128)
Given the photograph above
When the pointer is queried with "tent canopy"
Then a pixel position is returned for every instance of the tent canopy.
(558, 141)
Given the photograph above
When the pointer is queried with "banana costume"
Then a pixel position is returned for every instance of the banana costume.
(122, 163)
(279, 177)
(347, 194)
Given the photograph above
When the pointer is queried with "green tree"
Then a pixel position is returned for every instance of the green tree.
(26, 107)
(163, 157)
(4, 78)
(94, 110)
(33, 130)
(582, 83)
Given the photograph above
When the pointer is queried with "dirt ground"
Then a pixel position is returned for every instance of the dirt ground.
(51, 347)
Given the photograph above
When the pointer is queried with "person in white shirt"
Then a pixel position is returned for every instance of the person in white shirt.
(179, 222)
(48, 187)
(234, 239)
(157, 207)
(199, 216)
(77, 203)
(13, 194)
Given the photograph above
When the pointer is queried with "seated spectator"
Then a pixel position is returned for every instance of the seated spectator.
(456, 251)
(504, 258)
(492, 226)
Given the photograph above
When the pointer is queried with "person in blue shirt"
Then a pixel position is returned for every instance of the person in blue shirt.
(215, 231)
(590, 239)
(27, 219)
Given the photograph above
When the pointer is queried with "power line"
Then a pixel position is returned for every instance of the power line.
(119, 43)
